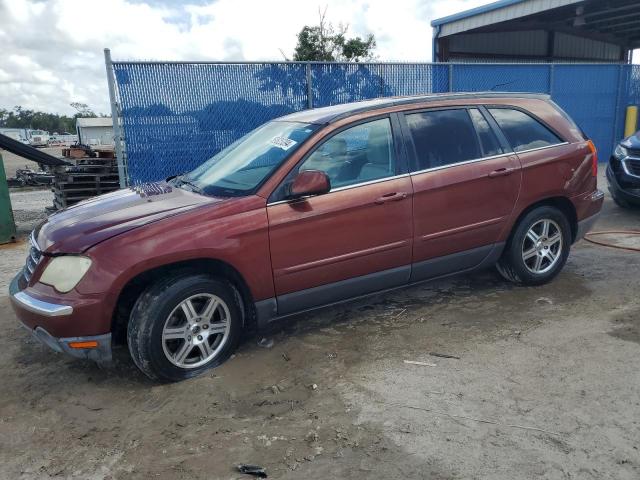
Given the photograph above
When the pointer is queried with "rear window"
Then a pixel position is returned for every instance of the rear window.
(443, 137)
(523, 132)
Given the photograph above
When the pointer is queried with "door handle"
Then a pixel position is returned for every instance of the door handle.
(501, 172)
(391, 197)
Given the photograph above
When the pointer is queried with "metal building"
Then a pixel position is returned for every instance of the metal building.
(540, 31)
(95, 131)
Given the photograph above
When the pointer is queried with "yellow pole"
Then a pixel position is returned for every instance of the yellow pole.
(631, 122)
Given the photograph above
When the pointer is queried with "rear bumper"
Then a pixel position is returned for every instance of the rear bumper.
(39, 312)
(588, 207)
(585, 226)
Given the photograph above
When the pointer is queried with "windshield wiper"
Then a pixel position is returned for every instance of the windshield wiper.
(194, 188)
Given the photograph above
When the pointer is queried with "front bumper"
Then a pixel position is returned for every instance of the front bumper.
(623, 186)
(94, 347)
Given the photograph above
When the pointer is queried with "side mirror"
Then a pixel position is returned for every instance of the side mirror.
(309, 182)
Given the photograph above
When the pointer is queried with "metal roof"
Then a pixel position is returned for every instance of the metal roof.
(325, 115)
(496, 12)
(94, 122)
(542, 30)
(474, 11)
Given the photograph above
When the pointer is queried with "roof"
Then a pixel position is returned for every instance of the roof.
(496, 12)
(325, 115)
(474, 11)
(540, 30)
(94, 122)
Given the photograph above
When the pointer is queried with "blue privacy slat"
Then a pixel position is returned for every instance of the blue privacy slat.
(478, 77)
(176, 115)
(589, 94)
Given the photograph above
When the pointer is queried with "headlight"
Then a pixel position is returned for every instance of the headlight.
(620, 152)
(63, 273)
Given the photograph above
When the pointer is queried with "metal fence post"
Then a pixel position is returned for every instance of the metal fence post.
(616, 123)
(552, 71)
(309, 86)
(450, 77)
(115, 118)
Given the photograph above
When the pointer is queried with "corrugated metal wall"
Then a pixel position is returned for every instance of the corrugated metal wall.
(570, 46)
(501, 43)
(530, 46)
(96, 135)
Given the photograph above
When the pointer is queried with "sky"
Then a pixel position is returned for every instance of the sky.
(52, 50)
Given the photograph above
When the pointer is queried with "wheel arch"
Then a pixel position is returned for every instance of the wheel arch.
(561, 203)
(137, 284)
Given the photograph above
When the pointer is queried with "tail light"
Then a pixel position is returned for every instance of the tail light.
(594, 158)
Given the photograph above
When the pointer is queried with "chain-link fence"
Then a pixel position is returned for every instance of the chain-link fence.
(172, 116)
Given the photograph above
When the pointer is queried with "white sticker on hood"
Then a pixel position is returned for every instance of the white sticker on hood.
(282, 142)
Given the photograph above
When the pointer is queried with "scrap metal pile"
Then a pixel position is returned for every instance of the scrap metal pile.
(82, 173)
(28, 177)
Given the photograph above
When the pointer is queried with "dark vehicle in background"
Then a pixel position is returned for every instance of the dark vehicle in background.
(311, 209)
(623, 172)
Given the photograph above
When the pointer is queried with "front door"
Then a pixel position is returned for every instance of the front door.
(465, 183)
(357, 238)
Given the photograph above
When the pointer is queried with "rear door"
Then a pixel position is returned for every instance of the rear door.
(466, 183)
(353, 240)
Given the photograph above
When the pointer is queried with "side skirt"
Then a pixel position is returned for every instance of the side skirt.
(457, 262)
(296, 303)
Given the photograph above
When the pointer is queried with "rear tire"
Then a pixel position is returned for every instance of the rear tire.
(184, 325)
(538, 247)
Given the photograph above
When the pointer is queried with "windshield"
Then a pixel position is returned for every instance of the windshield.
(242, 167)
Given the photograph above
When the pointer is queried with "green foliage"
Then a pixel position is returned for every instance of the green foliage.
(51, 122)
(324, 43)
(83, 110)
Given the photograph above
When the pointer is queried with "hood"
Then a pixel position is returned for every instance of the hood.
(81, 226)
(632, 142)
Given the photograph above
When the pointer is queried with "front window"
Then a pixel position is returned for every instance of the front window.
(359, 154)
(244, 165)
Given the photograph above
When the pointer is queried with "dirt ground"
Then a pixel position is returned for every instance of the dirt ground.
(547, 386)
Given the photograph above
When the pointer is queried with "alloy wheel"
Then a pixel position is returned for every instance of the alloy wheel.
(542, 246)
(196, 330)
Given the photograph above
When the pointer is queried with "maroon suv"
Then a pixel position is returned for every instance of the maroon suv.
(308, 210)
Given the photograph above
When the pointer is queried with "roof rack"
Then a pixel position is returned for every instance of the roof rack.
(327, 115)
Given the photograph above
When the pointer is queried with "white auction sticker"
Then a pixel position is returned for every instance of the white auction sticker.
(282, 142)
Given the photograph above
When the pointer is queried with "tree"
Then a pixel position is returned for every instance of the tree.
(324, 43)
(329, 83)
(83, 110)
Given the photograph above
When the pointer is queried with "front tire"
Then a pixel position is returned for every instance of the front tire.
(183, 325)
(538, 247)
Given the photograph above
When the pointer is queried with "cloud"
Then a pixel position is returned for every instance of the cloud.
(53, 50)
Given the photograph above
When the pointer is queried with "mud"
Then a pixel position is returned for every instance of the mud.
(547, 386)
